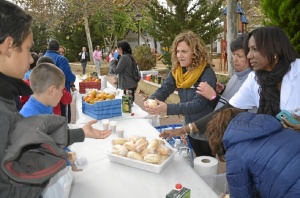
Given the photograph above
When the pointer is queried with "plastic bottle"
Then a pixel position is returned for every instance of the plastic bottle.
(184, 151)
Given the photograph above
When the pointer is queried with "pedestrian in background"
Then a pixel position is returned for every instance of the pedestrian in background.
(83, 57)
(97, 56)
(62, 50)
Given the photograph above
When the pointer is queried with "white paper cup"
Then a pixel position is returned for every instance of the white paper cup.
(113, 126)
(120, 132)
(105, 123)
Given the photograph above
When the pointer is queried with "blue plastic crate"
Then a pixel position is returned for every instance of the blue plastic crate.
(103, 109)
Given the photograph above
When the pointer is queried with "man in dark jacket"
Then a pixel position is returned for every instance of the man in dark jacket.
(63, 63)
(83, 57)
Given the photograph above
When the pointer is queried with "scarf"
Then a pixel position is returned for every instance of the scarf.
(11, 87)
(189, 78)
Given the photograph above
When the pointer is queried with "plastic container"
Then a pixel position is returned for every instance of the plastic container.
(89, 85)
(217, 182)
(172, 140)
(154, 168)
(184, 151)
(103, 109)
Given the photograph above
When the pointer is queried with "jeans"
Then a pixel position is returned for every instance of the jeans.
(83, 64)
(98, 65)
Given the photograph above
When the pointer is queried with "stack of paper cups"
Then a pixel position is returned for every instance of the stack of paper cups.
(205, 165)
(103, 82)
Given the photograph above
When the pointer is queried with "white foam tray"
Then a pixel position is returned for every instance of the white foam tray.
(154, 168)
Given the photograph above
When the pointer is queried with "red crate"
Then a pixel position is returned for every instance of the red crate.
(89, 85)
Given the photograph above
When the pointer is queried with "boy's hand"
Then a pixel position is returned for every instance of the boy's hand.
(91, 132)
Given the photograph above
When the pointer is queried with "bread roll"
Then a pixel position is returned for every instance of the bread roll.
(120, 141)
(164, 150)
(144, 152)
(135, 138)
(152, 146)
(72, 156)
(134, 155)
(152, 158)
(140, 145)
(119, 150)
(130, 146)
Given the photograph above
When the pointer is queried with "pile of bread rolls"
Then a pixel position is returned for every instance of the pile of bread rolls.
(139, 148)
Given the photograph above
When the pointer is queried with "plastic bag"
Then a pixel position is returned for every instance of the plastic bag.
(60, 184)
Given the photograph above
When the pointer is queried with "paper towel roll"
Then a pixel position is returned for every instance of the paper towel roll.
(205, 165)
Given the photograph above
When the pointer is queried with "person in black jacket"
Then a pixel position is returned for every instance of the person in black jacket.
(16, 40)
(83, 57)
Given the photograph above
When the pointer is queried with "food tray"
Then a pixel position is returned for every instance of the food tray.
(154, 168)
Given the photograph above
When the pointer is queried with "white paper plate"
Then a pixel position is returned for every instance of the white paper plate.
(154, 168)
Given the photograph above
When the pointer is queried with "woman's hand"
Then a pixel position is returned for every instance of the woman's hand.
(205, 90)
(168, 134)
(287, 124)
(161, 107)
(220, 87)
(91, 132)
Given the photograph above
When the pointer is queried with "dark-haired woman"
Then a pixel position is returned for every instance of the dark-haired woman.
(124, 68)
(272, 86)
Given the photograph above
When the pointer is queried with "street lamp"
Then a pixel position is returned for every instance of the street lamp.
(138, 18)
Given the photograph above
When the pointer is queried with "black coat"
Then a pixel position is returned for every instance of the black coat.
(86, 57)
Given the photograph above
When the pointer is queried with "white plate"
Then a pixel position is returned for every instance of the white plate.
(154, 168)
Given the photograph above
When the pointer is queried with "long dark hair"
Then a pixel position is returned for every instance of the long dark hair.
(271, 42)
(125, 46)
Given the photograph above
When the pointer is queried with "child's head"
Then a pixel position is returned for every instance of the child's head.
(45, 59)
(48, 80)
(216, 128)
(35, 58)
(16, 39)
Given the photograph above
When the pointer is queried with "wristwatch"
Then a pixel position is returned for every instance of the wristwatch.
(191, 129)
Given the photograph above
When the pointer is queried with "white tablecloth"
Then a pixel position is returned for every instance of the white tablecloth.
(102, 178)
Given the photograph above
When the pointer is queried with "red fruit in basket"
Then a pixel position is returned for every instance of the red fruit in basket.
(132, 114)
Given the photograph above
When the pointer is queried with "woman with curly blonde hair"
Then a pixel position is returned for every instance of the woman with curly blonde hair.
(199, 58)
(189, 68)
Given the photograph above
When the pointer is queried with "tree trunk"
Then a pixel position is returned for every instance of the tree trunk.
(231, 31)
(87, 32)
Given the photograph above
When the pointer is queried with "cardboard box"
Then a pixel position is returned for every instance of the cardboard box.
(182, 193)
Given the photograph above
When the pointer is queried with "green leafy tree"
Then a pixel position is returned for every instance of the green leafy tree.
(201, 17)
(143, 56)
(284, 14)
